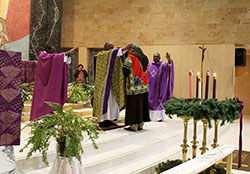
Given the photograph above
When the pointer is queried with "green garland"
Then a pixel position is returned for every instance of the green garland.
(226, 110)
(163, 166)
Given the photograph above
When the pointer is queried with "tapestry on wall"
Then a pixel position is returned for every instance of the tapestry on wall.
(10, 97)
(28, 71)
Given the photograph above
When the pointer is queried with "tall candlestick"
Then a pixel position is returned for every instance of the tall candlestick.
(207, 85)
(190, 84)
(214, 86)
(197, 85)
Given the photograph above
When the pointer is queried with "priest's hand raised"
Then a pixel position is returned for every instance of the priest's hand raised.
(168, 57)
(71, 51)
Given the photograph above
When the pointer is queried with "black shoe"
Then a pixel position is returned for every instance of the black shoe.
(129, 129)
(107, 123)
(159, 120)
(139, 129)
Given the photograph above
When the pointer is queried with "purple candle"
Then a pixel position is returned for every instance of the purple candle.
(214, 86)
(207, 85)
(197, 84)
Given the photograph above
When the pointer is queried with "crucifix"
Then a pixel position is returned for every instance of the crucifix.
(202, 61)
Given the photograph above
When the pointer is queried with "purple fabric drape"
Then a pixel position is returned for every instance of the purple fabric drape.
(110, 73)
(28, 71)
(95, 58)
(50, 84)
(161, 84)
(10, 97)
(241, 127)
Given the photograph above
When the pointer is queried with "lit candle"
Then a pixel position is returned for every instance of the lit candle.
(190, 84)
(197, 84)
(214, 86)
(207, 85)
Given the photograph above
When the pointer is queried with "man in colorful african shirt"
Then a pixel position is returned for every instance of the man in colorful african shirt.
(136, 71)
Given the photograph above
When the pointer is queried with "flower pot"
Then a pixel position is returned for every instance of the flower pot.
(62, 166)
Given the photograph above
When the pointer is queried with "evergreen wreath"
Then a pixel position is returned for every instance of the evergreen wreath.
(226, 110)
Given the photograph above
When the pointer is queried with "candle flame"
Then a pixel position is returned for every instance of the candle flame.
(214, 75)
(190, 73)
(198, 74)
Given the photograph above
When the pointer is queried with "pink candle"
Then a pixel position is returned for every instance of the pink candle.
(190, 84)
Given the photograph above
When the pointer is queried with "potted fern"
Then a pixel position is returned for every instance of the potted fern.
(67, 128)
(76, 93)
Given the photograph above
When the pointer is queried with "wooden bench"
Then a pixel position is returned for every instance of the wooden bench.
(204, 161)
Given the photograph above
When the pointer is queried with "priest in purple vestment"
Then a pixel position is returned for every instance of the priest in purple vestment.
(51, 81)
(161, 85)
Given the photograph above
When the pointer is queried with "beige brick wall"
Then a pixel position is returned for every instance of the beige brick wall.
(219, 59)
(155, 22)
(180, 26)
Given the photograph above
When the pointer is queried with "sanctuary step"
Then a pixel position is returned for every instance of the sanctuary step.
(121, 151)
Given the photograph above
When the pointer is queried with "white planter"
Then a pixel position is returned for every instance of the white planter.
(62, 166)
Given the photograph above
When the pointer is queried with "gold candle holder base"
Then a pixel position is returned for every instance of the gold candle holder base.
(204, 142)
(185, 145)
(194, 141)
(214, 145)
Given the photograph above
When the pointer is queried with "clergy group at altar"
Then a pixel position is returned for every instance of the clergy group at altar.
(124, 79)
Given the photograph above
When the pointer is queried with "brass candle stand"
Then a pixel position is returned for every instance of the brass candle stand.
(204, 141)
(194, 141)
(216, 122)
(185, 145)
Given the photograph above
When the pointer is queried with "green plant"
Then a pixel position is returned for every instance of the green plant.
(167, 165)
(26, 91)
(226, 110)
(66, 127)
(217, 169)
(76, 93)
(89, 91)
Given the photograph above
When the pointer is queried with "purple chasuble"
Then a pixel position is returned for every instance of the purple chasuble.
(161, 84)
(10, 98)
(50, 84)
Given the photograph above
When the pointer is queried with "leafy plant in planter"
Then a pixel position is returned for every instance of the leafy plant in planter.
(89, 91)
(66, 127)
(217, 169)
(167, 165)
(26, 91)
(76, 93)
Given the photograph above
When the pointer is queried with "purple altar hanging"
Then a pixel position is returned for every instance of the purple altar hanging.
(10, 97)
